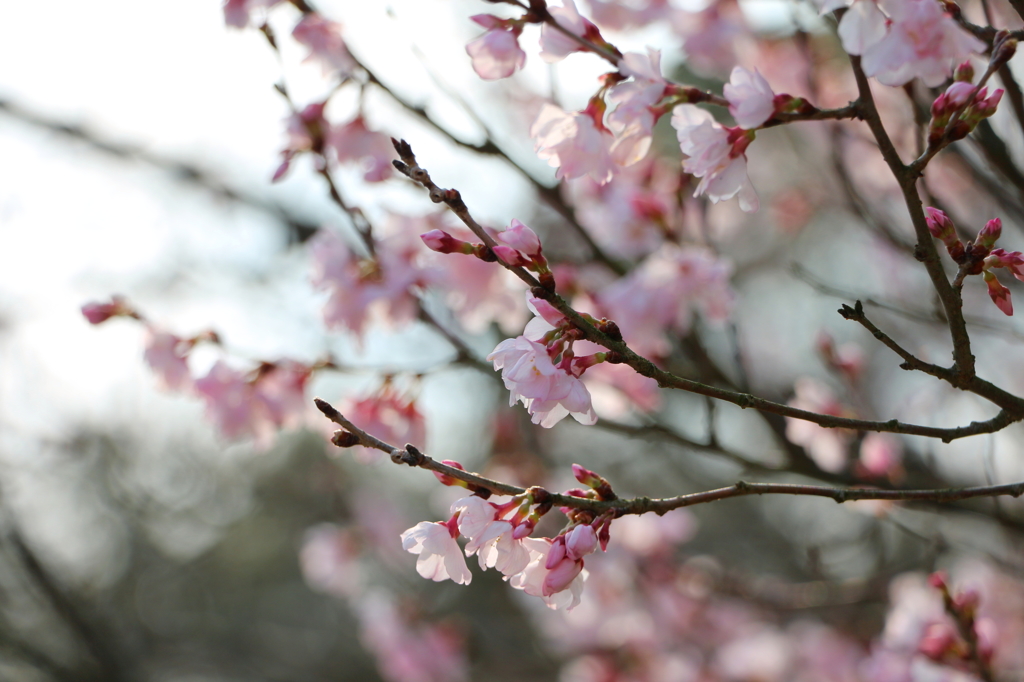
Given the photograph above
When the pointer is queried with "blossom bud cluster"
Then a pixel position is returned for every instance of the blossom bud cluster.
(498, 534)
(944, 639)
(957, 111)
(979, 257)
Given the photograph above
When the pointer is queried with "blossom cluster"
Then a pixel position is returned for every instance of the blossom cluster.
(498, 534)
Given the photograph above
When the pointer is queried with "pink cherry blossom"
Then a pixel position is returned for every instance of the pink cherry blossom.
(862, 27)
(922, 41)
(880, 455)
(323, 38)
(506, 553)
(306, 131)
(229, 399)
(827, 447)
(496, 54)
(361, 288)
(371, 150)
(555, 45)
(663, 294)
(330, 560)
(407, 648)
(618, 15)
(751, 100)
(573, 144)
(632, 121)
(236, 12)
(711, 157)
(167, 355)
(389, 415)
(549, 394)
(255, 407)
(440, 557)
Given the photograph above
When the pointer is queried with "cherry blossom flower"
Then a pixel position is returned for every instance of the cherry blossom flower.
(827, 447)
(549, 394)
(167, 355)
(323, 38)
(306, 132)
(555, 45)
(751, 100)
(663, 294)
(631, 214)
(440, 557)
(496, 54)
(389, 415)
(371, 150)
(618, 15)
(361, 287)
(576, 144)
(710, 38)
(409, 651)
(237, 12)
(632, 121)
(713, 155)
(257, 407)
(330, 560)
(862, 27)
(922, 41)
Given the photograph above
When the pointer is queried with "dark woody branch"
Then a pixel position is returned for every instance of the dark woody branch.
(411, 456)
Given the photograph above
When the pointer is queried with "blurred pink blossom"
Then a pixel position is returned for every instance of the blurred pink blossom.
(372, 151)
(167, 356)
(827, 447)
(237, 12)
(573, 143)
(555, 45)
(496, 54)
(323, 38)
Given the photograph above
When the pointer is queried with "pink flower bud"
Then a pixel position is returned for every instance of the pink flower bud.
(999, 294)
(964, 72)
(967, 601)
(959, 94)
(556, 554)
(990, 233)
(521, 238)
(580, 541)
(448, 480)
(984, 108)
(97, 313)
(939, 224)
(442, 242)
(560, 576)
(544, 309)
(939, 580)
(586, 476)
(938, 640)
(510, 256)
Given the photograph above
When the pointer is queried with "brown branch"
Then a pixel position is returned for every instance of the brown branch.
(925, 250)
(411, 456)
(1012, 407)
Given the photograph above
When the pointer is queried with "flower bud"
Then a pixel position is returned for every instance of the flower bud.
(990, 233)
(447, 479)
(964, 72)
(999, 294)
(98, 313)
(580, 541)
(442, 242)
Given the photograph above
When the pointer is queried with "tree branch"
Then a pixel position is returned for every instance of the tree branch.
(411, 456)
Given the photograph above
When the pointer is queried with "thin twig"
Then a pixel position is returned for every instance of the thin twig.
(411, 456)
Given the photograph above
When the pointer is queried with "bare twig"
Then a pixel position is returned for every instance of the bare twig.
(411, 456)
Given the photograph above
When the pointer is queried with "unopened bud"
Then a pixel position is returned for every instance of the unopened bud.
(344, 439)
(448, 479)
(990, 233)
(964, 72)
